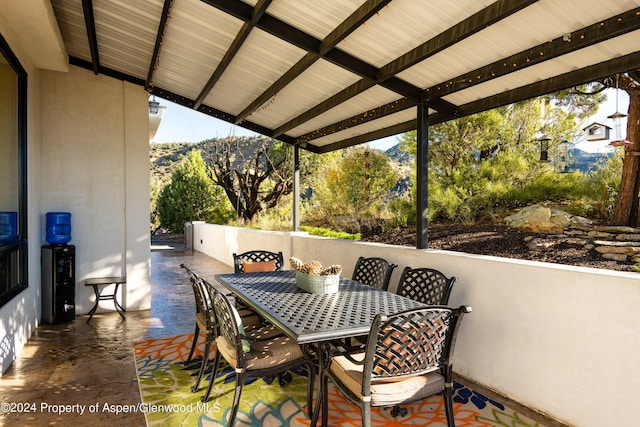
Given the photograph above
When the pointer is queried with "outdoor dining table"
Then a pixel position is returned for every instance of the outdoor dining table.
(314, 319)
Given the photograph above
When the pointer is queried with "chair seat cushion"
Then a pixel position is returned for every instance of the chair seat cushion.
(201, 320)
(250, 319)
(385, 392)
(264, 353)
(258, 266)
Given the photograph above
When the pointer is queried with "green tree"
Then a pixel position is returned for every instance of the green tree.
(457, 141)
(313, 169)
(190, 196)
(514, 127)
(358, 184)
(491, 160)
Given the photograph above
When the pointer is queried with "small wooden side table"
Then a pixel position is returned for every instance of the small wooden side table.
(96, 283)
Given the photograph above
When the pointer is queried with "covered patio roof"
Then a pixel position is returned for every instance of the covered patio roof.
(324, 75)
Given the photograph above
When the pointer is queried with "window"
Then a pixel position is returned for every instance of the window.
(13, 175)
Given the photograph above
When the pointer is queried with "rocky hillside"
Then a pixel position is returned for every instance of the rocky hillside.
(165, 157)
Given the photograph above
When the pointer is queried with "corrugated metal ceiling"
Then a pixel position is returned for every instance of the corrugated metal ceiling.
(334, 73)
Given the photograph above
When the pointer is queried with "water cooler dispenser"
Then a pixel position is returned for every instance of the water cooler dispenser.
(58, 259)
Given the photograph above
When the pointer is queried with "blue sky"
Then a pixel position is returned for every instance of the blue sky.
(180, 124)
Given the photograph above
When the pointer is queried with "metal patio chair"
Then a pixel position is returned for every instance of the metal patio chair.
(373, 271)
(206, 321)
(258, 260)
(254, 262)
(407, 359)
(262, 352)
(426, 285)
(201, 309)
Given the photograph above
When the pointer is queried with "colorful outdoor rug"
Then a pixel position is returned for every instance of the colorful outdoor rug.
(165, 384)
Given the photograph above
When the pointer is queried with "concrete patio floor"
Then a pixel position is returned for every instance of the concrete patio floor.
(69, 366)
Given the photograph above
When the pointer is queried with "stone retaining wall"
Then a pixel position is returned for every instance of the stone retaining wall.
(617, 243)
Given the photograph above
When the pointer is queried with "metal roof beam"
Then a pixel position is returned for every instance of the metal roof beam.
(466, 28)
(478, 21)
(593, 34)
(367, 137)
(446, 107)
(349, 25)
(359, 119)
(293, 72)
(258, 12)
(449, 109)
(106, 71)
(352, 23)
(326, 105)
(156, 48)
(306, 42)
(267, 23)
(90, 24)
(553, 84)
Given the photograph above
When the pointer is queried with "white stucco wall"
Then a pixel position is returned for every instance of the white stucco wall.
(222, 242)
(95, 165)
(562, 340)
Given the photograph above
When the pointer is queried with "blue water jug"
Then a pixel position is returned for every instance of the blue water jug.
(8, 225)
(58, 227)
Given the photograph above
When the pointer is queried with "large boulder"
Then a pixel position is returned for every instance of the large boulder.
(536, 219)
(540, 219)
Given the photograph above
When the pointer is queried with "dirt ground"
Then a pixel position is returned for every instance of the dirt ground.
(496, 240)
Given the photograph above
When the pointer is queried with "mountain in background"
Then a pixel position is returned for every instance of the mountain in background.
(584, 161)
(398, 155)
(165, 157)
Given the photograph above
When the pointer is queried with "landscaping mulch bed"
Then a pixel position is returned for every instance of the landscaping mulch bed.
(497, 240)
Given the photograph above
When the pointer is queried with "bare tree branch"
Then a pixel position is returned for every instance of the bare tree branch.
(254, 173)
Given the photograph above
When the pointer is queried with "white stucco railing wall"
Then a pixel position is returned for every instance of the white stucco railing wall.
(560, 339)
(221, 242)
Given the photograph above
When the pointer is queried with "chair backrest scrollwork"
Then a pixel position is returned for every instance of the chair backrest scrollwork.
(426, 285)
(373, 271)
(413, 342)
(257, 256)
